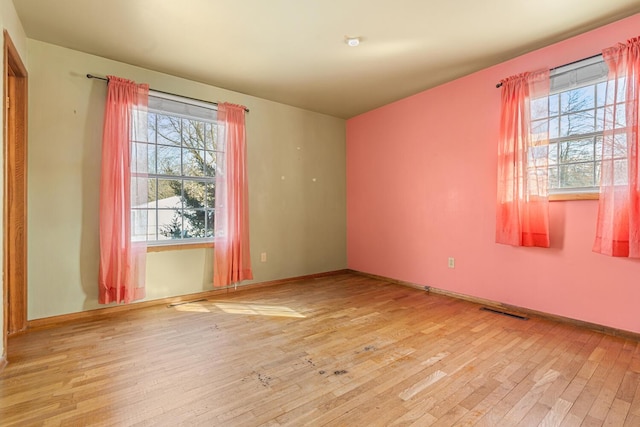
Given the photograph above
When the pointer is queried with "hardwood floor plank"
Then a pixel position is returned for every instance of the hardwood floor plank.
(610, 383)
(424, 383)
(617, 413)
(557, 413)
(337, 350)
(632, 420)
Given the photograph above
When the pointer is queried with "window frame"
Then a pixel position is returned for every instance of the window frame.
(169, 244)
(576, 193)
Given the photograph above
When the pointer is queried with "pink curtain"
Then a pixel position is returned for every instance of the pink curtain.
(232, 262)
(122, 261)
(618, 223)
(522, 215)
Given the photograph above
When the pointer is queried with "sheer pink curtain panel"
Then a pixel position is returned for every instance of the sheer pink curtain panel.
(232, 260)
(618, 223)
(522, 212)
(123, 171)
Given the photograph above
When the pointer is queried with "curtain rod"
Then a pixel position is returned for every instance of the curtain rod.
(564, 65)
(91, 76)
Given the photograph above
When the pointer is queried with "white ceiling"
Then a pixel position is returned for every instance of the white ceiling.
(293, 51)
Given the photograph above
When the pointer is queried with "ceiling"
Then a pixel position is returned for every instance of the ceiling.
(294, 51)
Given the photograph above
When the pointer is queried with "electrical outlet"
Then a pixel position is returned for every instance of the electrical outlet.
(263, 257)
(452, 262)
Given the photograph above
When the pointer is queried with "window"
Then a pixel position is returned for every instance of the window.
(574, 115)
(180, 182)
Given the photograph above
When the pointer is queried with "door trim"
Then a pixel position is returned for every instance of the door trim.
(15, 191)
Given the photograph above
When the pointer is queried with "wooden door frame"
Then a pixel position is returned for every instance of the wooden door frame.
(15, 192)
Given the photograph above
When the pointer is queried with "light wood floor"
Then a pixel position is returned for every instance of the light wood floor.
(343, 350)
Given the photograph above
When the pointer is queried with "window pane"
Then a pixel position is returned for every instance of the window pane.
(139, 157)
(193, 162)
(553, 154)
(577, 123)
(620, 146)
(554, 127)
(195, 223)
(168, 160)
(577, 150)
(577, 175)
(194, 194)
(553, 177)
(620, 113)
(611, 117)
(151, 155)
(600, 112)
(538, 156)
(210, 222)
(168, 129)
(598, 150)
(138, 191)
(143, 225)
(621, 89)
(152, 193)
(577, 100)
(193, 134)
(539, 130)
(616, 175)
(169, 193)
(601, 90)
(615, 146)
(210, 163)
(169, 224)
(210, 199)
(539, 108)
(210, 136)
(615, 91)
(554, 105)
(620, 168)
(138, 131)
(151, 127)
(538, 179)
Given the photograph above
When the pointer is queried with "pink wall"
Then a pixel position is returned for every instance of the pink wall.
(421, 187)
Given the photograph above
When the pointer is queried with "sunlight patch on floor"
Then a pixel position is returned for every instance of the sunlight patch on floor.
(193, 307)
(259, 309)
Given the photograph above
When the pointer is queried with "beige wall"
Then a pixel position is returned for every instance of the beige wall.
(8, 21)
(296, 167)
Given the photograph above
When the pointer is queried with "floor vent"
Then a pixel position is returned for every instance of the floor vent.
(504, 313)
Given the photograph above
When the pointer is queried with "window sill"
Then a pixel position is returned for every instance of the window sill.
(573, 196)
(179, 247)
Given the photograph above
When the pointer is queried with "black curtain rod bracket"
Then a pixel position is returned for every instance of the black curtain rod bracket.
(91, 76)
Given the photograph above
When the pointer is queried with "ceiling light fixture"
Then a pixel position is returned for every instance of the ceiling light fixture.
(352, 41)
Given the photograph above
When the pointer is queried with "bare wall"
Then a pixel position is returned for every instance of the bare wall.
(421, 187)
(296, 168)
